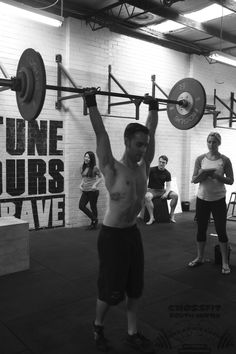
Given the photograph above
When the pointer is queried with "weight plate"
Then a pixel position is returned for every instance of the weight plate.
(32, 75)
(189, 115)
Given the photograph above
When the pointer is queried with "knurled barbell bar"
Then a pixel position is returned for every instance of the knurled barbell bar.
(186, 102)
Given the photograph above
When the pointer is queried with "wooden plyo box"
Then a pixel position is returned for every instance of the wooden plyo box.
(14, 245)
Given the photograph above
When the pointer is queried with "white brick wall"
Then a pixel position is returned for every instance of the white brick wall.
(86, 55)
(16, 36)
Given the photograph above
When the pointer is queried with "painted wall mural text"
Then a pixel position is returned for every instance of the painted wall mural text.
(32, 172)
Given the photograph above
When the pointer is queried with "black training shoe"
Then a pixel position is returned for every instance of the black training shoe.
(100, 340)
(139, 342)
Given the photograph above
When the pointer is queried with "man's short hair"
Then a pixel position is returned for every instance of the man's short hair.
(164, 157)
(133, 128)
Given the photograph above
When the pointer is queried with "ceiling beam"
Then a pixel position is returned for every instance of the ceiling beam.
(123, 26)
(160, 39)
(118, 24)
(170, 14)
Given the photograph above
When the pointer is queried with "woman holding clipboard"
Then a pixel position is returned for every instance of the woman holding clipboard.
(212, 171)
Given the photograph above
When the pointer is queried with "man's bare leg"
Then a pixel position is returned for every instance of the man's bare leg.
(150, 207)
(132, 306)
(173, 204)
(101, 311)
(135, 339)
(141, 213)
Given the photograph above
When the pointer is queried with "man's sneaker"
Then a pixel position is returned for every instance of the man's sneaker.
(139, 342)
(100, 340)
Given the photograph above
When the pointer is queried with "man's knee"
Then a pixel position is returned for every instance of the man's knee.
(201, 237)
(114, 298)
(174, 196)
(148, 197)
(223, 238)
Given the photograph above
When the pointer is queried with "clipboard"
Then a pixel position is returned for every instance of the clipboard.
(207, 172)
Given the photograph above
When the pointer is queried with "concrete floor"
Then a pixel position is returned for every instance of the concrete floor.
(49, 308)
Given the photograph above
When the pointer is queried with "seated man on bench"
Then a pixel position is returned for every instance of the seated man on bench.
(159, 185)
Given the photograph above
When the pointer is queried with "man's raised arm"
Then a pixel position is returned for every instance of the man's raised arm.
(104, 152)
(151, 124)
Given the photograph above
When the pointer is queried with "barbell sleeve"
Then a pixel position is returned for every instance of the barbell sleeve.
(6, 82)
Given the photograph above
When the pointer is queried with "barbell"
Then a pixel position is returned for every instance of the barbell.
(186, 102)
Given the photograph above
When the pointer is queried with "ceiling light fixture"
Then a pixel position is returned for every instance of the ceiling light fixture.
(11, 8)
(222, 58)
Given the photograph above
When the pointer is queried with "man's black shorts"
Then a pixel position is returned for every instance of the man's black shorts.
(121, 264)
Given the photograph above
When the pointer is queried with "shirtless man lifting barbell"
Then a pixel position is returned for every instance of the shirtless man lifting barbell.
(120, 249)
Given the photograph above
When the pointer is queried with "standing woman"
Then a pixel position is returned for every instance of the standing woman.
(91, 177)
(212, 171)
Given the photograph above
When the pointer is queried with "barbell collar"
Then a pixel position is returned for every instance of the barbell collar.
(15, 84)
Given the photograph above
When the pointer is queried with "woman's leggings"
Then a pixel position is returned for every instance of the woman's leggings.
(91, 197)
(218, 209)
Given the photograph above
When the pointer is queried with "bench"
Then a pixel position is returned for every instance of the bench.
(160, 212)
